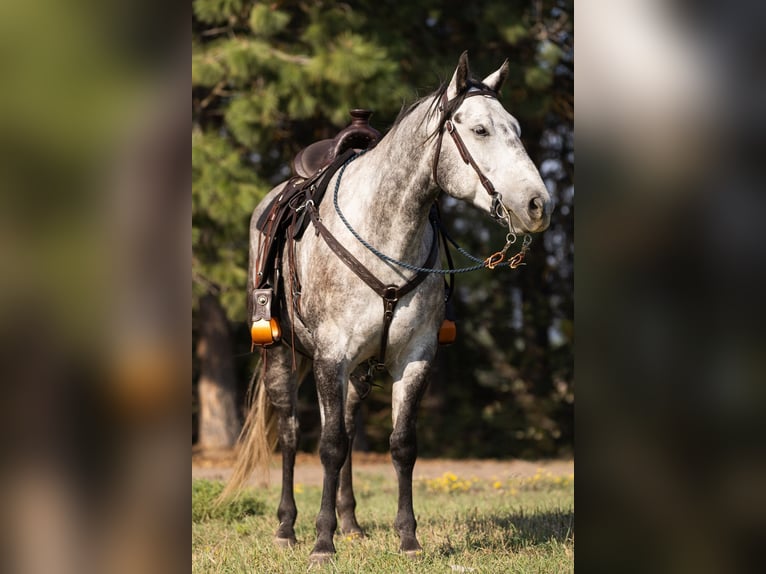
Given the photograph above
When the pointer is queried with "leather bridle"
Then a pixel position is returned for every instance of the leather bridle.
(498, 210)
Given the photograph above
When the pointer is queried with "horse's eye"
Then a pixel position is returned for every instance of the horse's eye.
(480, 131)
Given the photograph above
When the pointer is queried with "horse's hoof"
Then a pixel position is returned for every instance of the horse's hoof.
(320, 558)
(411, 548)
(284, 542)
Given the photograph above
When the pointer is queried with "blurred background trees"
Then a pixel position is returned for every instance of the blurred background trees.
(270, 78)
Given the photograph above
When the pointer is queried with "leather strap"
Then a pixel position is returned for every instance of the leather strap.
(468, 158)
(449, 286)
(365, 274)
(391, 294)
(449, 126)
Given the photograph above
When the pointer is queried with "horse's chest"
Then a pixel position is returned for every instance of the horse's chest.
(358, 321)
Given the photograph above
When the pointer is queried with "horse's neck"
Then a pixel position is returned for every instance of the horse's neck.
(393, 190)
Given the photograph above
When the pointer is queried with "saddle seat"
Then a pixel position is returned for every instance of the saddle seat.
(358, 135)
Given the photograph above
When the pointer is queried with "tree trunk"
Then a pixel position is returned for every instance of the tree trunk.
(218, 421)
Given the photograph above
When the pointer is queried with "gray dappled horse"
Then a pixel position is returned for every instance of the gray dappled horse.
(385, 195)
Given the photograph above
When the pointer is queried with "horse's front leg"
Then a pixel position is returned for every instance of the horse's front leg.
(346, 501)
(408, 389)
(330, 380)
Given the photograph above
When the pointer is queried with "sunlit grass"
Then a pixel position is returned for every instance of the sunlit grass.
(540, 481)
(465, 524)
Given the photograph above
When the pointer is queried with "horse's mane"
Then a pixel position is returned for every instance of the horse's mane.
(435, 99)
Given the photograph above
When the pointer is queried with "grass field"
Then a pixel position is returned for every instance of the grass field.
(523, 525)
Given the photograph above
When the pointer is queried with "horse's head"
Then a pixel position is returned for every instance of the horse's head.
(479, 157)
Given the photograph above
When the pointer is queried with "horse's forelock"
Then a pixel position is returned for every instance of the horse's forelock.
(450, 106)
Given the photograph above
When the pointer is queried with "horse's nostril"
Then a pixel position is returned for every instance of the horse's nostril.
(536, 206)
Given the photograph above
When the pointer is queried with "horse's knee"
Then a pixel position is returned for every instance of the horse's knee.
(404, 446)
(333, 443)
(333, 448)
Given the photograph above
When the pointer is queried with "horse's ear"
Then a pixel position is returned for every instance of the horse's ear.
(459, 80)
(495, 80)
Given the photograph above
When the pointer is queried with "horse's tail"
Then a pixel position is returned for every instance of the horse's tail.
(257, 440)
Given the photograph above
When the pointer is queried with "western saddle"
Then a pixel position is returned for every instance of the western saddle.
(284, 219)
(358, 135)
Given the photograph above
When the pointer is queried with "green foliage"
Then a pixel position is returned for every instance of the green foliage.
(549, 55)
(267, 21)
(538, 78)
(207, 68)
(326, 23)
(247, 113)
(224, 191)
(217, 11)
(514, 33)
(204, 507)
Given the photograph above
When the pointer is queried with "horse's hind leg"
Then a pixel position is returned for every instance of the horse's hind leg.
(346, 502)
(407, 391)
(282, 387)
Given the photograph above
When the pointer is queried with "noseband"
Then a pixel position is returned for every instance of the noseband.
(498, 211)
